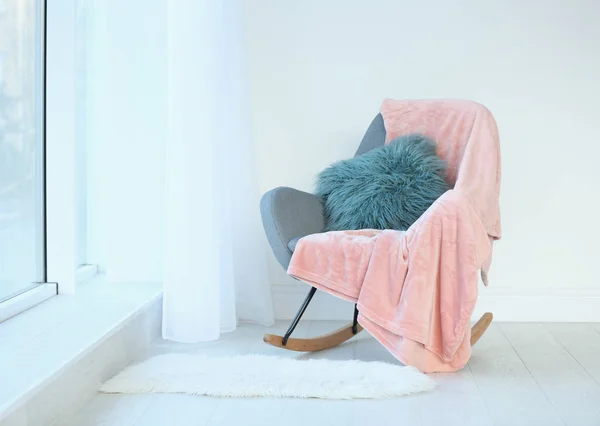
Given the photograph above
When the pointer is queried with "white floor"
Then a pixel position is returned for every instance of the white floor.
(520, 374)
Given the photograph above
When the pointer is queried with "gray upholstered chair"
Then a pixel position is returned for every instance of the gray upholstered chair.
(288, 215)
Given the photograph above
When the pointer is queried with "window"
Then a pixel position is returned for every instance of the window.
(22, 156)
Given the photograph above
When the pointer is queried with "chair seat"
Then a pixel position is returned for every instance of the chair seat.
(292, 244)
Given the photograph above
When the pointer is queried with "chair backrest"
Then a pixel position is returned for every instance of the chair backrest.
(374, 137)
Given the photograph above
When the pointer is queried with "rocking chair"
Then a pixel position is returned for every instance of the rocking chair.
(288, 215)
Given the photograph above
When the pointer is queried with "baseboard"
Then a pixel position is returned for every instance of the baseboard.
(509, 305)
(288, 298)
(540, 305)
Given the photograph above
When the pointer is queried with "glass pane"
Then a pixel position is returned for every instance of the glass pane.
(21, 146)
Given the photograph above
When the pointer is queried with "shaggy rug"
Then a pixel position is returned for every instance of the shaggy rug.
(267, 376)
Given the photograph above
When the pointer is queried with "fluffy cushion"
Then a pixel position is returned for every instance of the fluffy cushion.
(389, 187)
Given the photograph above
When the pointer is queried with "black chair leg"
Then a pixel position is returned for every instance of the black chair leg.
(355, 321)
(294, 323)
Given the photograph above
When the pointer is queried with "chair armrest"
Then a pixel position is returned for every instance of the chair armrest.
(288, 213)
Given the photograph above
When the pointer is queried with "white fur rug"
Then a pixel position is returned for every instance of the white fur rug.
(268, 376)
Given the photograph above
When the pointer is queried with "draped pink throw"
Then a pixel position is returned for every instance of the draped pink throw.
(416, 289)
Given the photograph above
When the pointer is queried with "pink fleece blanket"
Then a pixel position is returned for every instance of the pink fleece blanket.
(416, 289)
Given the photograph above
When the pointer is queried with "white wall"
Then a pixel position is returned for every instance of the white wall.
(320, 69)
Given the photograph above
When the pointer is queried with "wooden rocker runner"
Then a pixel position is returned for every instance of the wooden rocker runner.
(345, 333)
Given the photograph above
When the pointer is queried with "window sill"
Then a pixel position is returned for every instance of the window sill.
(41, 343)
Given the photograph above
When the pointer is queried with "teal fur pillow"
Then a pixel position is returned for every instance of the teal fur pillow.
(389, 187)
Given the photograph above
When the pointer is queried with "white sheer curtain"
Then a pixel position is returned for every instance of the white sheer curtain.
(215, 271)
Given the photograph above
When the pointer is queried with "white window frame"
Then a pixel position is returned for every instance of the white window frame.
(39, 291)
(64, 197)
(60, 145)
(65, 194)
